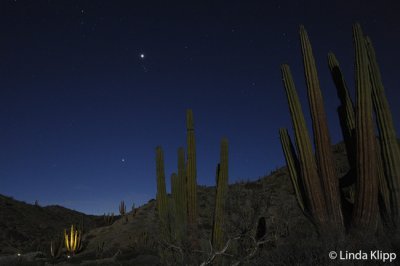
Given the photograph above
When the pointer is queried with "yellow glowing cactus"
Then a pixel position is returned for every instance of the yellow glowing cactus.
(72, 241)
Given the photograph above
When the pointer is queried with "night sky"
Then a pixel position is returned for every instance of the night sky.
(88, 89)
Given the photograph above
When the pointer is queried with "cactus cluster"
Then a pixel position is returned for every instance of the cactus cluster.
(184, 192)
(375, 168)
(73, 240)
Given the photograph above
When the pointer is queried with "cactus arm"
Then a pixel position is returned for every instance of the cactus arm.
(221, 192)
(390, 151)
(345, 110)
(308, 169)
(323, 150)
(366, 197)
(292, 165)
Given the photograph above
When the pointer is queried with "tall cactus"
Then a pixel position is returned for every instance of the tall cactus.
(390, 150)
(191, 171)
(162, 203)
(308, 169)
(177, 226)
(293, 166)
(181, 188)
(323, 150)
(366, 198)
(220, 198)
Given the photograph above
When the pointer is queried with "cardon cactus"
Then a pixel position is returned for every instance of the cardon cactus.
(390, 150)
(324, 158)
(315, 200)
(369, 168)
(73, 241)
(162, 203)
(220, 198)
(293, 166)
(365, 211)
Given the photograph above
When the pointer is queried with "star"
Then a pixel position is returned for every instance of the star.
(123, 160)
(141, 56)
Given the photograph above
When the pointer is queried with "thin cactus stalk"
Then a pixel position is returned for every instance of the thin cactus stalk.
(162, 203)
(345, 110)
(176, 204)
(56, 248)
(388, 141)
(220, 198)
(191, 170)
(181, 188)
(365, 212)
(308, 168)
(122, 208)
(323, 150)
(293, 166)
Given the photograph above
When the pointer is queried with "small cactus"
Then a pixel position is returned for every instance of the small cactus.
(73, 241)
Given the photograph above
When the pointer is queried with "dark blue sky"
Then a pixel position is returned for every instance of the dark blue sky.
(81, 113)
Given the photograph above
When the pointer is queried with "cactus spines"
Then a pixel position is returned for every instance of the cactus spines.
(390, 150)
(308, 168)
(191, 170)
(162, 204)
(220, 198)
(366, 198)
(293, 165)
(324, 157)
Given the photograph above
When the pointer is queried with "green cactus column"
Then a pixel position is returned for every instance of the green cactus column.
(162, 203)
(315, 199)
(191, 171)
(293, 165)
(390, 150)
(323, 147)
(220, 198)
(365, 212)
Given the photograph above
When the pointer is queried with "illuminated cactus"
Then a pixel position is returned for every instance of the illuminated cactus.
(390, 150)
(72, 241)
(366, 198)
(220, 198)
(191, 171)
(324, 158)
(315, 200)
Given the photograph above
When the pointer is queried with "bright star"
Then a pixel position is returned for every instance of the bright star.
(142, 56)
(123, 160)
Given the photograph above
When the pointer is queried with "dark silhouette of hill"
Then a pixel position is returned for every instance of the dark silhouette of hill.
(26, 227)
